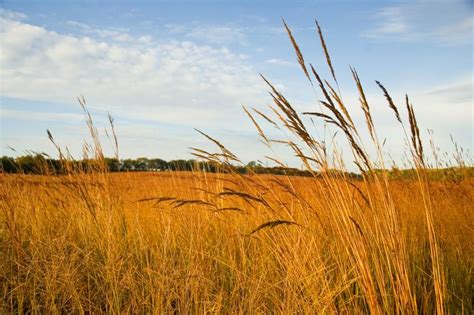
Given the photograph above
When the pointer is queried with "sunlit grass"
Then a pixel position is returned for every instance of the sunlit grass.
(195, 242)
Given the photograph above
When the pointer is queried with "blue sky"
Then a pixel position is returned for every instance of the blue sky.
(162, 68)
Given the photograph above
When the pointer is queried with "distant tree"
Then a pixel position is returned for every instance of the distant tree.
(177, 165)
(8, 165)
(158, 164)
(32, 164)
(127, 165)
(252, 164)
(113, 164)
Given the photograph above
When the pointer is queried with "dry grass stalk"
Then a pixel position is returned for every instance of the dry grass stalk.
(260, 131)
(299, 55)
(326, 52)
(365, 105)
(266, 118)
(271, 225)
(391, 104)
(228, 155)
(415, 133)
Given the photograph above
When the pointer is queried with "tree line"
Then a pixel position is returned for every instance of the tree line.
(40, 164)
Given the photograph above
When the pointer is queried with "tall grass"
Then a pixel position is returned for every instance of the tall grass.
(195, 242)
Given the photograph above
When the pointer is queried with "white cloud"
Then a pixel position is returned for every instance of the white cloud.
(460, 32)
(115, 33)
(211, 34)
(439, 22)
(39, 116)
(217, 34)
(448, 103)
(175, 28)
(279, 62)
(12, 15)
(175, 82)
(393, 22)
(459, 91)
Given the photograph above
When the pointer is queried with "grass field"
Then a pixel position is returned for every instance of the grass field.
(190, 242)
(193, 242)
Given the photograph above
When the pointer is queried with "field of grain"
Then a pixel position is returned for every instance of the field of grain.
(228, 243)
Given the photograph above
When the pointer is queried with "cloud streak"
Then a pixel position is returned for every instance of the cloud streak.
(278, 62)
(422, 21)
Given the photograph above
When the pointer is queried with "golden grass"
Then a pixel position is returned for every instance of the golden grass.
(100, 243)
(174, 242)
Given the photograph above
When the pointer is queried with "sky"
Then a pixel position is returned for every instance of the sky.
(163, 68)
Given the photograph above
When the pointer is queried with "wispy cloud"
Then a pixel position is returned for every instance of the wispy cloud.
(7, 14)
(278, 62)
(218, 34)
(460, 32)
(174, 28)
(232, 33)
(391, 21)
(116, 34)
(460, 91)
(211, 34)
(6, 113)
(423, 21)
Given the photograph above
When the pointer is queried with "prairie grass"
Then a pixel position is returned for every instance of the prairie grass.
(85, 243)
(195, 242)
